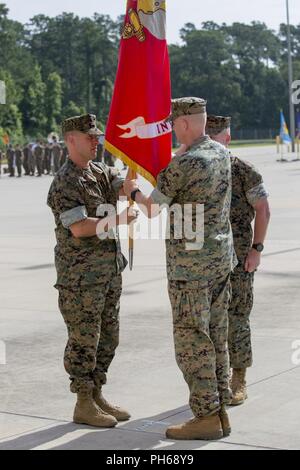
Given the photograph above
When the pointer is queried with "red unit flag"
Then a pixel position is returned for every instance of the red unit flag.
(137, 132)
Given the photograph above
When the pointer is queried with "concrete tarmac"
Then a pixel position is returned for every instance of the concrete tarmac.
(35, 403)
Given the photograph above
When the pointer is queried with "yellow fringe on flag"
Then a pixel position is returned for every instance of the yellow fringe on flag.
(133, 165)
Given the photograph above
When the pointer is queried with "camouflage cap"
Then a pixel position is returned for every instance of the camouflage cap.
(187, 107)
(87, 123)
(217, 124)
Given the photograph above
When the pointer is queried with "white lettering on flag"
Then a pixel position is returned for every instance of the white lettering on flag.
(138, 128)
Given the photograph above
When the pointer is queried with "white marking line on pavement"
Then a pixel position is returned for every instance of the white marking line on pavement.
(266, 379)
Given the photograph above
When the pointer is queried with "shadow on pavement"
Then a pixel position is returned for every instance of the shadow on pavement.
(142, 434)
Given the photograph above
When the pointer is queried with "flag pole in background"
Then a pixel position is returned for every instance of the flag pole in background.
(290, 72)
(137, 131)
(284, 136)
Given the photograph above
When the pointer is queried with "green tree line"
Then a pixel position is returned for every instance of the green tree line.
(64, 65)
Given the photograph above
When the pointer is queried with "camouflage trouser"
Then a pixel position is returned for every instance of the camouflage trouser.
(11, 165)
(47, 163)
(26, 164)
(56, 163)
(200, 335)
(40, 165)
(19, 165)
(239, 338)
(91, 315)
(31, 164)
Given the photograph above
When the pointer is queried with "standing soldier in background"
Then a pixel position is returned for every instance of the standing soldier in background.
(56, 155)
(249, 202)
(38, 153)
(64, 155)
(108, 158)
(99, 156)
(11, 160)
(26, 158)
(47, 158)
(19, 160)
(31, 160)
(198, 275)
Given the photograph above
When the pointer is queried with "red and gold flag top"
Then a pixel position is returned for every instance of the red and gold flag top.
(136, 130)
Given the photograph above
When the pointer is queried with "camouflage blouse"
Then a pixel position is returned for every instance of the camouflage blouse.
(247, 189)
(200, 178)
(75, 195)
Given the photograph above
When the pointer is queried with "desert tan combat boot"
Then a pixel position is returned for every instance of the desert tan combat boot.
(119, 413)
(207, 429)
(87, 412)
(238, 387)
(224, 418)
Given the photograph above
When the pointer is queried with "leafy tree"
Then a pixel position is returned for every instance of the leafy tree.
(33, 104)
(56, 67)
(53, 101)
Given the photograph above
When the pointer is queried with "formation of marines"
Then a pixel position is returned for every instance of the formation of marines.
(40, 158)
(210, 286)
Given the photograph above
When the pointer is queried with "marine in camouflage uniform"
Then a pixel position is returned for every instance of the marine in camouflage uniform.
(88, 277)
(11, 160)
(19, 160)
(39, 153)
(31, 160)
(199, 284)
(248, 190)
(64, 155)
(47, 158)
(56, 156)
(26, 153)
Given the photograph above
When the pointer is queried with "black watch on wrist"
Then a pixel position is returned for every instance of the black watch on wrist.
(258, 247)
(134, 193)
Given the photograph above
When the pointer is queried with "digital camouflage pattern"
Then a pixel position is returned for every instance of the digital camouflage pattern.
(200, 176)
(239, 335)
(247, 189)
(10, 155)
(217, 124)
(200, 335)
(86, 123)
(76, 194)
(88, 272)
(38, 154)
(91, 314)
(199, 286)
(19, 160)
(187, 107)
(56, 152)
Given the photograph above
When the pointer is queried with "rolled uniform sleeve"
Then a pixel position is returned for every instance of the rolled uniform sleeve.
(67, 203)
(169, 183)
(73, 216)
(253, 184)
(256, 194)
